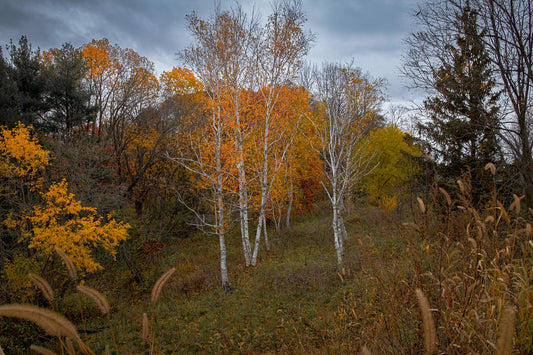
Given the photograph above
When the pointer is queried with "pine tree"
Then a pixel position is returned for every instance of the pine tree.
(22, 86)
(68, 97)
(463, 121)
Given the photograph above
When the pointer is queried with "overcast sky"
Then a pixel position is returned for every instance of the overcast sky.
(369, 31)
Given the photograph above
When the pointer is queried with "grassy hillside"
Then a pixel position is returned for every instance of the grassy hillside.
(471, 266)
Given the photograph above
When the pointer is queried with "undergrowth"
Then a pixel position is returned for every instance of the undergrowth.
(450, 277)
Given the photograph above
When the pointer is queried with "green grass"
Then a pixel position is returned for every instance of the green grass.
(290, 303)
(297, 301)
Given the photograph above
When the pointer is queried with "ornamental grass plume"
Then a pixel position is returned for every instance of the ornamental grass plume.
(430, 337)
(42, 285)
(446, 195)
(51, 322)
(146, 328)
(41, 350)
(421, 205)
(96, 296)
(490, 167)
(160, 283)
(70, 266)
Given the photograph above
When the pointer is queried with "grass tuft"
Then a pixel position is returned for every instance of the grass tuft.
(96, 296)
(42, 285)
(430, 338)
(160, 283)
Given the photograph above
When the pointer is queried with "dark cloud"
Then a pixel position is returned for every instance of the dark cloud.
(368, 31)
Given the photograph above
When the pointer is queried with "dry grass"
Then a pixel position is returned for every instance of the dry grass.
(100, 301)
(160, 283)
(42, 285)
(474, 266)
(505, 341)
(430, 337)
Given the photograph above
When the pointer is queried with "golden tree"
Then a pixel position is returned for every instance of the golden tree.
(77, 230)
(21, 156)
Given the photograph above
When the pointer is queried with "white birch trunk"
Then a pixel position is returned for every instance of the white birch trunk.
(243, 215)
(289, 205)
(243, 202)
(267, 242)
(278, 217)
(264, 188)
(343, 227)
(337, 237)
(221, 237)
(337, 231)
(221, 222)
(260, 222)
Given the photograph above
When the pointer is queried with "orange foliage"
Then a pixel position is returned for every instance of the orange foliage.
(99, 57)
(294, 167)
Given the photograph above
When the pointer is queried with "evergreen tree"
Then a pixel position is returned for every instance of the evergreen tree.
(68, 96)
(22, 86)
(463, 123)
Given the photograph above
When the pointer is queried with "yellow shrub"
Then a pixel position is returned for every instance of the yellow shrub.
(21, 156)
(75, 229)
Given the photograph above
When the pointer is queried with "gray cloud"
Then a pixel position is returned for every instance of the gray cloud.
(368, 31)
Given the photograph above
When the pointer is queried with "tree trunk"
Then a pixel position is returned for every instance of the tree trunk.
(337, 232)
(267, 242)
(243, 189)
(221, 237)
(260, 222)
(139, 209)
(243, 214)
(264, 191)
(289, 205)
(220, 214)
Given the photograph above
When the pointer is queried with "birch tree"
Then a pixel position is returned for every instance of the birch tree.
(346, 101)
(229, 40)
(284, 45)
(218, 58)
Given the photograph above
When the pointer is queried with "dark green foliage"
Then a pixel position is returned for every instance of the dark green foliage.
(22, 85)
(48, 93)
(464, 112)
(68, 96)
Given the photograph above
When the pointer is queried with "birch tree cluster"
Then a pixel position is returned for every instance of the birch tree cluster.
(244, 133)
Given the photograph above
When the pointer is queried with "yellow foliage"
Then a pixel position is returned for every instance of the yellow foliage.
(180, 81)
(75, 229)
(21, 156)
(394, 164)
